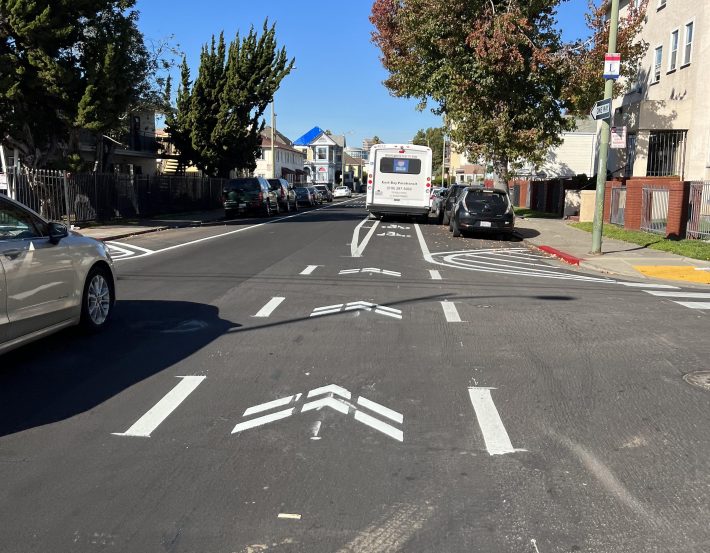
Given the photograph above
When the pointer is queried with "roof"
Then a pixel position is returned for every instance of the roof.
(309, 137)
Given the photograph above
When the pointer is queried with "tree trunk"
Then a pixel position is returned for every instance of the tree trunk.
(500, 173)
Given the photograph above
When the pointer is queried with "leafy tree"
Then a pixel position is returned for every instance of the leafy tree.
(434, 138)
(376, 140)
(493, 67)
(585, 58)
(66, 65)
(218, 120)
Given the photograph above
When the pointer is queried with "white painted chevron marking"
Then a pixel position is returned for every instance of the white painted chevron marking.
(270, 405)
(377, 424)
(266, 419)
(331, 402)
(381, 409)
(330, 389)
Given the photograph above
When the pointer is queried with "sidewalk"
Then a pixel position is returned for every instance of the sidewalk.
(618, 258)
(143, 226)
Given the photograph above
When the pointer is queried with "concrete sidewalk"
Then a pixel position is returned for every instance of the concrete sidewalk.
(143, 226)
(618, 258)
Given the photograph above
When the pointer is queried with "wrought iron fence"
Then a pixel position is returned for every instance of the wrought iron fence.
(77, 198)
(618, 206)
(654, 209)
(698, 226)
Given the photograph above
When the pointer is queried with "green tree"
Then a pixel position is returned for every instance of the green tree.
(218, 120)
(493, 67)
(66, 65)
(434, 138)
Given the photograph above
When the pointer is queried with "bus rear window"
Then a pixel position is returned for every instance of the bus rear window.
(404, 166)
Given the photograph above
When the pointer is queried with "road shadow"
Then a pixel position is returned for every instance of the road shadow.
(72, 372)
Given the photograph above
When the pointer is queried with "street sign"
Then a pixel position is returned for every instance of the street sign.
(612, 65)
(618, 138)
(602, 110)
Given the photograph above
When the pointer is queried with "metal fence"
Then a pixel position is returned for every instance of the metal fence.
(699, 211)
(666, 154)
(82, 197)
(654, 209)
(618, 206)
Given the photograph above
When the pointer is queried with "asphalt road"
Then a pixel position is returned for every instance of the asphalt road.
(323, 383)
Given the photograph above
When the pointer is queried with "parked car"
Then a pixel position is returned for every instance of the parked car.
(325, 192)
(285, 196)
(447, 205)
(342, 192)
(304, 196)
(316, 194)
(50, 278)
(482, 210)
(436, 201)
(249, 194)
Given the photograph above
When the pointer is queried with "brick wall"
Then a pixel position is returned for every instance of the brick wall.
(678, 196)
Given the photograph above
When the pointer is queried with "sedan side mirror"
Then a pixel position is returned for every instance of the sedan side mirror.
(57, 231)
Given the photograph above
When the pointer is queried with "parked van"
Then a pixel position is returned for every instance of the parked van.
(399, 182)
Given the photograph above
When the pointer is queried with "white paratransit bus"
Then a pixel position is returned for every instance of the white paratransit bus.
(399, 182)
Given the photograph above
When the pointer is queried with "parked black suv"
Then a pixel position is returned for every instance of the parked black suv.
(449, 201)
(285, 195)
(483, 210)
(249, 194)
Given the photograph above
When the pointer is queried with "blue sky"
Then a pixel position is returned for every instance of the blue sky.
(337, 82)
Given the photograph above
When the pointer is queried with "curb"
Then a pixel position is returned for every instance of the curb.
(567, 258)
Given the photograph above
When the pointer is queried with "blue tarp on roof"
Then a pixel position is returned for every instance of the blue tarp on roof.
(309, 137)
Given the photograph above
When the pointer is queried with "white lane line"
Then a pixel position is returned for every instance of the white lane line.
(231, 232)
(268, 406)
(494, 433)
(435, 275)
(361, 247)
(291, 516)
(131, 246)
(309, 270)
(161, 410)
(330, 389)
(695, 295)
(422, 244)
(381, 409)
(268, 309)
(377, 424)
(356, 237)
(450, 312)
(695, 304)
(266, 419)
(648, 285)
(391, 273)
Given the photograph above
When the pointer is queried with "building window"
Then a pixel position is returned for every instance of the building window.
(260, 154)
(321, 153)
(657, 60)
(688, 49)
(630, 156)
(673, 56)
(666, 153)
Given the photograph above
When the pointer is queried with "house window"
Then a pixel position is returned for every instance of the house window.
(673, 57)
(657, 60)
(321, 153)
(666, 150)
(260, 154)
(630, 156)
(688, 44)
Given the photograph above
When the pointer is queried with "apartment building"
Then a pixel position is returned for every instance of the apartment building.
(667, 113)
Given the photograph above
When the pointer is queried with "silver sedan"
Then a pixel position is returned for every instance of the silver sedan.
(50, 278)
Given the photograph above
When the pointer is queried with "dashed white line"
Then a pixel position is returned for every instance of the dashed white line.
(161, 410)
(435, 275)
(450, 312)
(492, 428)
(292, 516)
(309, 270)
(268, 309)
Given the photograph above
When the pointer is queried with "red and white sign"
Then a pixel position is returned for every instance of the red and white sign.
(618, 138)
(612, 66)
(322, 169)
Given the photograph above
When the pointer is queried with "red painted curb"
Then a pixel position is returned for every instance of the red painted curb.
(572, 260)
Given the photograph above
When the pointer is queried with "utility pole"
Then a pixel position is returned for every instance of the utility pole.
(273, 157)
(598, 225)
(443, 152)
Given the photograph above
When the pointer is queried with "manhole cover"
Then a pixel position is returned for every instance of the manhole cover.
(701, 379)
